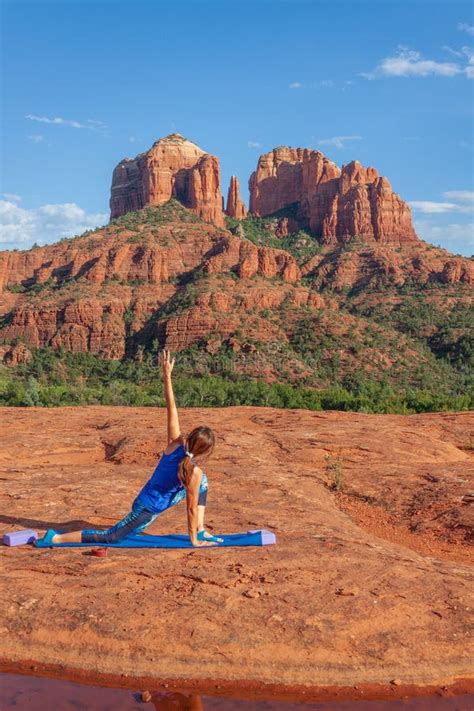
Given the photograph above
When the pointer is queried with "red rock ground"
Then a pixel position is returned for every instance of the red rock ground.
(366, 586)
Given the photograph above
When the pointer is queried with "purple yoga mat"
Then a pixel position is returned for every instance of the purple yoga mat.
(268, 538)
(19, 538)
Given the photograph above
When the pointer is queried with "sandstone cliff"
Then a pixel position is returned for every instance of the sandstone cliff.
(161, 274)
(235, 205)
(332, 203)
(173, 168)
(91, 293)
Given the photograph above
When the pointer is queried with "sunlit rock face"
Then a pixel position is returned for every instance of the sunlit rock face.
(334, 203)
(173, 168)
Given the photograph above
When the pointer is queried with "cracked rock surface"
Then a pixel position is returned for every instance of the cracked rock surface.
(370, 579)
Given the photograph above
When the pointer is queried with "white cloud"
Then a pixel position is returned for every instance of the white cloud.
(469, 70)
(11, 196)
(57, 120)
(464, 27)
(20, 228)
(253, 144)
(99, 124)
(91, 124)
(36, 138)
(463, 195)
(347, 84)
(455, 237)
(464, 202)
(431, 207)
(312, 84)
(338, 141)
(409, 63)
(454, 52)
(134, 139)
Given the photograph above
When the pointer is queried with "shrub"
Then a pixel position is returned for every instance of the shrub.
(334, 467)
(31, 397)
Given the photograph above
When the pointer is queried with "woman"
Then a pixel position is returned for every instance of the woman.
(176, 476)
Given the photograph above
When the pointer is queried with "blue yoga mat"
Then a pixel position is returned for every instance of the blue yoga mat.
(145, 540)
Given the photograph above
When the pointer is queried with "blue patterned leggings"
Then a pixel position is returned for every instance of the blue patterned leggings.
(138, 519)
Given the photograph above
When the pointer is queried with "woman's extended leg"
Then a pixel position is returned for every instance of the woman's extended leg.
(72, 537)
(137, 520)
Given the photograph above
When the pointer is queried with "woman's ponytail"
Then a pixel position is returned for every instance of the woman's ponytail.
(199, 441)
(186, 468)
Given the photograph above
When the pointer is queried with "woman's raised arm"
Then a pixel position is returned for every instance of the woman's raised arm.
(167, 364)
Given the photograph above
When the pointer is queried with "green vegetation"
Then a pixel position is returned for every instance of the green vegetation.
(171, 211)
(36, 288)
(16, 288)
(353, 352)
(59, 378)
(441, 328)
(421, 315)
(261, 231)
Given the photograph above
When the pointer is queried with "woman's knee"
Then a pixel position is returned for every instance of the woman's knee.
(137, 519)
(114, 536)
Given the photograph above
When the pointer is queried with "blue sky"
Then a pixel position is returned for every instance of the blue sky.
(88, 82)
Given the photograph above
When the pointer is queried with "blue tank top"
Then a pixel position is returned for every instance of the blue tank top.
(164, 483)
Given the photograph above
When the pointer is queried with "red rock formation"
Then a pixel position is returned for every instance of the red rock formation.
(204, 196)
(247, 260)
(375, 264)
(235, 205)
(109, 278)
(104, 259)
(334, 204)
(81, 326)
(97, 292)
(17, 354)
(173, 167)
(286, 226)
(457, 270)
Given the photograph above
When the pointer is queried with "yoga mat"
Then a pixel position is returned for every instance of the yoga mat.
(145, 540)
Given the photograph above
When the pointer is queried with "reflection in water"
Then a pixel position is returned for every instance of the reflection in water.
(174, 701)
(177, 701)
(26, 693)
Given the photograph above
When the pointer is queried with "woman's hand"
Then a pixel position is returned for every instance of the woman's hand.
(166, 362)
(167, 365)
